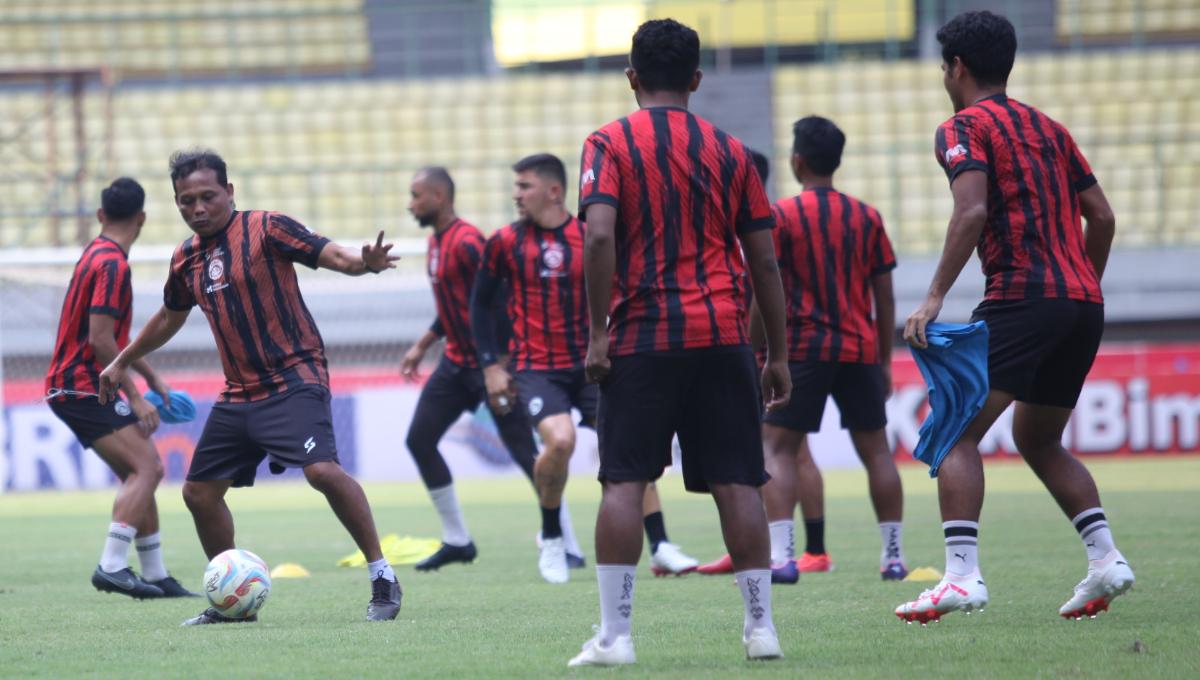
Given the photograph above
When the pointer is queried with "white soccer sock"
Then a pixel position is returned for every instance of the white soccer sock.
(616, 600)
(116, 547)
(569, 539)
(783, 541)
(756, 596)
(1092, 526)
(149, 550)
(454, 528)
(962, 547)
(892, 542)
(380, 568)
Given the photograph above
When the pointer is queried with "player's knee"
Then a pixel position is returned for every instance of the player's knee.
(195, 495)
(559, 445)
(418, 443)
(322, 476)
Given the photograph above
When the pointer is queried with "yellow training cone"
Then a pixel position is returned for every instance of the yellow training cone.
(289, 570)
(924, 574)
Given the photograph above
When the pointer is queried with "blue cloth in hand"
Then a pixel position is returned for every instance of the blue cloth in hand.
(182, 410)
(955, 368)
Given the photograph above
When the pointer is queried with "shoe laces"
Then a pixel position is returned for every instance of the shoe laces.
(381, 590)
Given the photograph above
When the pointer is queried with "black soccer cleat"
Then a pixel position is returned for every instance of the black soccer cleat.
(575, 561)
(172, 588)
(124, 582)
(448, 554)
(385, 600)
(211, 615)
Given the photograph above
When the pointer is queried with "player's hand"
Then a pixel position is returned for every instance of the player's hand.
(888, 388)
(160, 386)
(146, 414)
(597, 365)
(502, 395)
(375, 256)
(776, 385)
(410, 362)
(110, 383)
(914, 328)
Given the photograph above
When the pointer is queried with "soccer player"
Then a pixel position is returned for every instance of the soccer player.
(667, 198)
(457, 384)
(540, 257)
(1020, 188)
(239, 268)
(94, 326)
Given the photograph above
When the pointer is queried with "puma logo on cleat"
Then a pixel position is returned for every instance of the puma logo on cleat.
(309, 445)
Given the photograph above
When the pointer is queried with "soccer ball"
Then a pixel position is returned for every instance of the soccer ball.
(237, 583)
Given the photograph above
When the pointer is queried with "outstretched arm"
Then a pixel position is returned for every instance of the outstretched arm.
(372, 259)
(159, 329)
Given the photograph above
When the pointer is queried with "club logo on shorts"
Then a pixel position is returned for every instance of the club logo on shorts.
(309, 445)
(553, 255)
(535, 406)
(122, 408)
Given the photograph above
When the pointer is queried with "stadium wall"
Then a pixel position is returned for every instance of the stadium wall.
(1140, 400)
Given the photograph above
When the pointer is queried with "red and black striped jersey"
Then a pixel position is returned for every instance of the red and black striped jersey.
(1032, 245)
(830, 246)
(452, 261)
(244, 280)
(548, 303)
(684, 191)
(100, 284)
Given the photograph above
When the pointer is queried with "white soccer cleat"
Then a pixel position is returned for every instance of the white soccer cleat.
(552, 561)
(619, 653)
(670, 560)
(953, 593)
(1106, 579)
(762, 645)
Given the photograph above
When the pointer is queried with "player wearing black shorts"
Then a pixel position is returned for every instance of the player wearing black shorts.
(668, 199)
(1021, 191)
(540, 258)
(239, 267)
(457, 384)
(94, 326)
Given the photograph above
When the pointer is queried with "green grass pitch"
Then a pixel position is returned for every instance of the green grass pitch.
(496, 618)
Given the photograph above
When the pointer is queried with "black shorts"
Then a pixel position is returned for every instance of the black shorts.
(857, 389)
(91, 421)
(549, 393)
(294, 429)
(710, 398)
(1041, 350)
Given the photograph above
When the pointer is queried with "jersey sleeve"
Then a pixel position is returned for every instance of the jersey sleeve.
(293, 240)
(599, 173)
(495, 256)
(883, 257)
(960, 144)
(1078, 168)
(177, 295)
(470, 251)
(754, 210)
(111, 278)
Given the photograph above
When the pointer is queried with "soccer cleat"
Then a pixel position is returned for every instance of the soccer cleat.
(124, 582)
(762, 645)
(552, 561)
(385, 599)
(785, 573)
(721, 565)
(619, 653)
(811, 564)
(1106, 579)
(894, 571)
(669, 560)
(448, 554)
(172, 588)
(575, 561)
(211, 615)
(961, 593)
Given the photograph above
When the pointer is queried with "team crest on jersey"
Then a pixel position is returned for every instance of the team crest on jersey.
(588, 177)
(433, 264)
(955, 151)
(553, 256)
(216, 271)
(122, 408)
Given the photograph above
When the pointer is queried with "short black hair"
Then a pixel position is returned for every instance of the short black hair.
(665, 54)
(985, 42)
(761, 164)
(122, 199)
(185, 162)
(439, 175)
(545, 165)
(819, 142)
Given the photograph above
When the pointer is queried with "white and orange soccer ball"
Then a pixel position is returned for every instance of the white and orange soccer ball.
(237, 583)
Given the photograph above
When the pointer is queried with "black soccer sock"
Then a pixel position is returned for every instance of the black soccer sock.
(551, 527)
(814, 536)
(656, 530)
